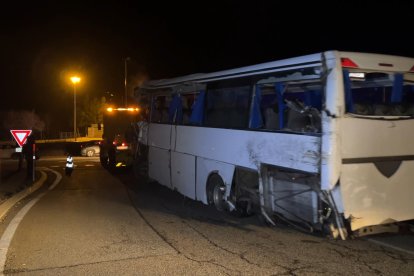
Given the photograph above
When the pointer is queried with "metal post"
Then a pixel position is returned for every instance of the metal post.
(34, 159)
(74, 111)
(126, 75)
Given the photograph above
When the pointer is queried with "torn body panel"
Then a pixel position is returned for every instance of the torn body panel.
(290, 194)
(251, 148)
(331, 124)
(370, 198)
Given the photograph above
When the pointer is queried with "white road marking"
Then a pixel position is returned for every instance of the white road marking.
(89, 165)
(391, 246)
(12, 227)
(57, 180)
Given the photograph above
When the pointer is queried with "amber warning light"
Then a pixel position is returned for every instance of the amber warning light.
(129, 109)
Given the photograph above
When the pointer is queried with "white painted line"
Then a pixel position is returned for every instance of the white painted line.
(57, 180)
(12, 227)
(89, 165)
(391, 246)
(55, 166)
(10, 202)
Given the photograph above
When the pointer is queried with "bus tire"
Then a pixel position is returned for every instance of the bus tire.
(216, 192)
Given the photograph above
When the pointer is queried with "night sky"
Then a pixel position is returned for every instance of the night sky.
(41, 43)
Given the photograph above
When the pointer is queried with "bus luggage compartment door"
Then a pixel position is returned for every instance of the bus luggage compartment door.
(291, 195)
(183, 173)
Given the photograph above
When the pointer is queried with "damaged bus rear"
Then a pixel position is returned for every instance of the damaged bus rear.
(375, 148)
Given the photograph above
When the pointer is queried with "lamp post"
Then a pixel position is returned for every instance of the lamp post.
(74, 80)
(126, 75)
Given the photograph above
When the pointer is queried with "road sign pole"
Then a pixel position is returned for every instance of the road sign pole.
(34, 159)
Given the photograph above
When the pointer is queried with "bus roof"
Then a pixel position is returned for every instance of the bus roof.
(305, 61)
(268, 67)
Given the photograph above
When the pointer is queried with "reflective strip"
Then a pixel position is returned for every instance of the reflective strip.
(69, 162)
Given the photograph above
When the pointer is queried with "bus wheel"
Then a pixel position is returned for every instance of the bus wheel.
(216, 191)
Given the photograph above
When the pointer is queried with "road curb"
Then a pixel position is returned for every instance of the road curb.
(10, 202)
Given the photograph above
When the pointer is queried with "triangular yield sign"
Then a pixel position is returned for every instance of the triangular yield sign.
(21, 135)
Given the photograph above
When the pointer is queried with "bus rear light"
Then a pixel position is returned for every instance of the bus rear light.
(123, 144)
(347, 62)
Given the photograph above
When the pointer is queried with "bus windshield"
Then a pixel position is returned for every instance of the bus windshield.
(379, 93)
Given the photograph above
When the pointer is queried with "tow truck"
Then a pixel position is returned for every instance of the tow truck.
(116, 147)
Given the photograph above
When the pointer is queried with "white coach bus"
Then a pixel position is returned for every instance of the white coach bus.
(325, 141)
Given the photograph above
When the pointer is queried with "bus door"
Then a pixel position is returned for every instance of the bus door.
(159, 141)
(182, 138)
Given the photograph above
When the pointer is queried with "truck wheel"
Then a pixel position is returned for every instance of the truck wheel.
(104, 161)
(111, 159)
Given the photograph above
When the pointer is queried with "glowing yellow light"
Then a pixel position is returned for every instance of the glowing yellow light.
(75, 79)
(129, 109)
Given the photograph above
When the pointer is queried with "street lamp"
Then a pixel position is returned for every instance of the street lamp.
(126, 71)
(74, 80)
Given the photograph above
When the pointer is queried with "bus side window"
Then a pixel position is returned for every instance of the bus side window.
(303, 111)
(296, 119)
(271, 118)
(270, 109)
(187, 103)
(160, 110)
(175, 110)
(228, 107)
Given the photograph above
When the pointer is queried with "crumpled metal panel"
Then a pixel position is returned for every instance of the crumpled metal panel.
(370, 198)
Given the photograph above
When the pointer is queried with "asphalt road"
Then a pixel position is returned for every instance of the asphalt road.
(98, 223)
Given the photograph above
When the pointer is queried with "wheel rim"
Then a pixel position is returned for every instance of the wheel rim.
(218, 197)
